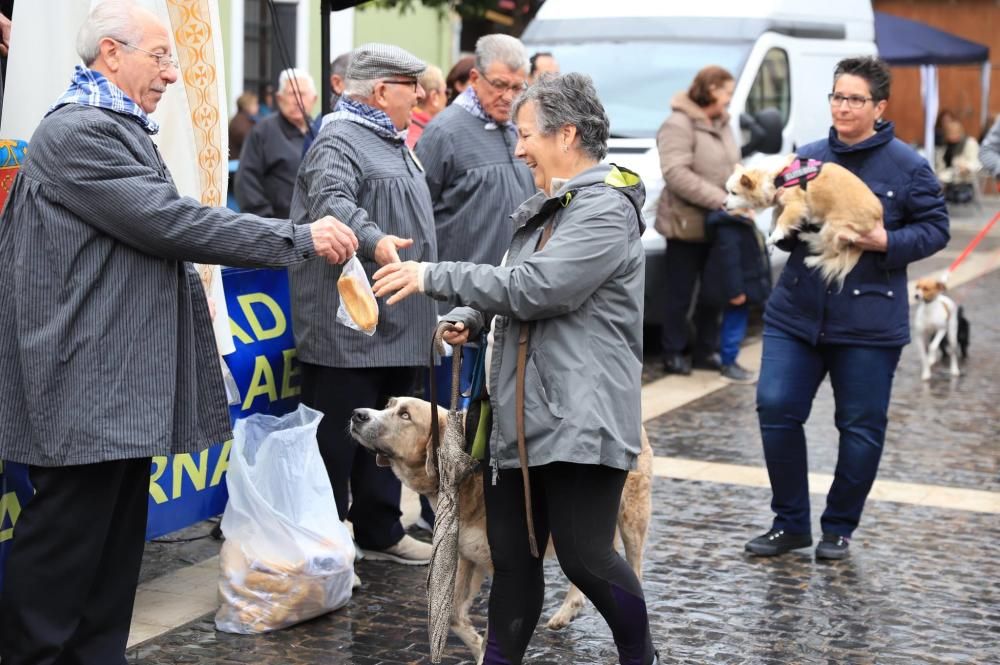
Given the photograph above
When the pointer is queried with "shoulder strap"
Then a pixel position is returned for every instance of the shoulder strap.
(524, 335)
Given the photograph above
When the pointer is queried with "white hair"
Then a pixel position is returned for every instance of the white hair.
(294, 75)
(504, 49)
(111, 18)
(360, 88)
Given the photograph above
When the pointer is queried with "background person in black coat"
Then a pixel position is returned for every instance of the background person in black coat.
(737, 274)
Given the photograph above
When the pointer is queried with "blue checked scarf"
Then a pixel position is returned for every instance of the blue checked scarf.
(91, 88)
(469, 101)
(375, 119)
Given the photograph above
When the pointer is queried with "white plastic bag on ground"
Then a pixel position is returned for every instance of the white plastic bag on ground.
(287, 556)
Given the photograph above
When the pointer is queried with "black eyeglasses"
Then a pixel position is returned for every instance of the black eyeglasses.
(853, 101)
(412, 84)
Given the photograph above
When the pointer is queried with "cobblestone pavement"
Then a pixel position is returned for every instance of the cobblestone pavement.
(920, 587)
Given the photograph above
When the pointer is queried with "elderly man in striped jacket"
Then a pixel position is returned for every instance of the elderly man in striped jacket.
(108, 356)
(360, 170)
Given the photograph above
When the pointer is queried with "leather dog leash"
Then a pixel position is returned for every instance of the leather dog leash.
(437, 346)
(522, 450)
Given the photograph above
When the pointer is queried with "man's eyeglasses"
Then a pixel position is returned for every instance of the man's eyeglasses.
(412, 84)
(503, 87)
(853, 101)
(162, 59)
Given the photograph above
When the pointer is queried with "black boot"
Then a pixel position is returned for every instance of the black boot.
(676, 363)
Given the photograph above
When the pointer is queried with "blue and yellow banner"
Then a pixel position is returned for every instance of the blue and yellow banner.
(184, 489)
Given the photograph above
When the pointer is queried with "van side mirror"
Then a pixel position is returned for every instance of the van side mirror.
(765, 132)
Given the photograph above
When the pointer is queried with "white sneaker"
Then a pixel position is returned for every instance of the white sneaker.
(409, 551)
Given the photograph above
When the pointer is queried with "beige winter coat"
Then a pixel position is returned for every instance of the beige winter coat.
(697, 155)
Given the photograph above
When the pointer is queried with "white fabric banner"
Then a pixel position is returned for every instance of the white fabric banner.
(192, 114)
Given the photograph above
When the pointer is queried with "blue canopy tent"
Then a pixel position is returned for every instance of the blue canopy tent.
(904, 42)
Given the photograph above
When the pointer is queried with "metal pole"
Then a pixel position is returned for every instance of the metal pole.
(324, 54)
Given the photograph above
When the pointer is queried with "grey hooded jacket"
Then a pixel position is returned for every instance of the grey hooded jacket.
(584, 293)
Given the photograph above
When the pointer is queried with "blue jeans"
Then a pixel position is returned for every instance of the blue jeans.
(734, 329)
(791, 371)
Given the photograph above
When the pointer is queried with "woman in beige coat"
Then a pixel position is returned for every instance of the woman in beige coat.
(697, 154)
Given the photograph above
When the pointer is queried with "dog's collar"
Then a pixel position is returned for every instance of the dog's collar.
(798, 173)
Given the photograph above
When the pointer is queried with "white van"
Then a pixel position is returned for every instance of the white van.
(641, 52)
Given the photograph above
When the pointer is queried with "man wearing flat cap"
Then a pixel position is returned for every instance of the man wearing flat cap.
(360, 170)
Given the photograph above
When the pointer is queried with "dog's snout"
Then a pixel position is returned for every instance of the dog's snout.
(360, 416)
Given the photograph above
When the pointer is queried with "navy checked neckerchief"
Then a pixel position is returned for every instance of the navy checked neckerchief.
(362, 114)
(469, 100)
(91, 88)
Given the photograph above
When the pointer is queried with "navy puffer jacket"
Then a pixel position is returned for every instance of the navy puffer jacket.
(873, 307)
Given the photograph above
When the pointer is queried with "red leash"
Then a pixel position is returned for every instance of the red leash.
(972, 245)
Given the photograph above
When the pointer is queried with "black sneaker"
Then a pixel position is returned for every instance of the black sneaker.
(833, 547)
(711, 361)
(735, 373)
(676, 363)
(777, 541)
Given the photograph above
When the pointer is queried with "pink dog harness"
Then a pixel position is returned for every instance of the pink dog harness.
(798, 173)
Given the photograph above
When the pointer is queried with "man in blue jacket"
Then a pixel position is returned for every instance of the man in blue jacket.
(854, 334)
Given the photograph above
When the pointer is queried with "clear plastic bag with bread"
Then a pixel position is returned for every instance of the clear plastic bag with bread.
(358, 307)
(287, 556)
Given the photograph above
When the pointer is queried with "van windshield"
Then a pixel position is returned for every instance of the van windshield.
(636, 79)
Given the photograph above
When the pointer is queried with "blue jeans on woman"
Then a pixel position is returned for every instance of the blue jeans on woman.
(791, 371)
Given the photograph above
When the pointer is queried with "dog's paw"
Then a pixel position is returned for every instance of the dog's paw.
(777, 235)
(925, 375)
(566, 613)
(956, 372)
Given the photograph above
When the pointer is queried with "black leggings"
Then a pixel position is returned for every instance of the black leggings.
(578, 505)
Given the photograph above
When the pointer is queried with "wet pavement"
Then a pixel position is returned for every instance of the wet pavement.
(922, 584)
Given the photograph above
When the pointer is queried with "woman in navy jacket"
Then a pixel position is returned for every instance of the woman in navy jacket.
(854, 334)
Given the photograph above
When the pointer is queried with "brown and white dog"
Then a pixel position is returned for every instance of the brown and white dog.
(400, 435)
(936, 320)
(823, 194)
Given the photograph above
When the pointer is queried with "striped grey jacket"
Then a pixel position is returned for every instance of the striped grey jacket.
(108, 351)
(375, 186)
(475, 182)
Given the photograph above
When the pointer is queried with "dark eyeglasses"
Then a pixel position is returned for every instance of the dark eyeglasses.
(412, 84)
(503, 87)
(853, 101)
(162, 59)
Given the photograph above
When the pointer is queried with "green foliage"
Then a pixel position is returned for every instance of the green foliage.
(464, 8)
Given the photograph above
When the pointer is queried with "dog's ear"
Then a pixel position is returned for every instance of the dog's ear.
(430, 461)
(941, 286)
(746, 181)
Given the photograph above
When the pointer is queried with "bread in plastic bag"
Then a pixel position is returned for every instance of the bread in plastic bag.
(287, 556)
(358, 307)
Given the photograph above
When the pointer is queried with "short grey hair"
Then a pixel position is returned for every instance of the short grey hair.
(504, 49)
(339, 64)
(111, 18)
(570, 99)
(431, 79)
(360, 88)
(294, 75)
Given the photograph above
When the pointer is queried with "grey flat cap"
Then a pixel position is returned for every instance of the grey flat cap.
(379, 61)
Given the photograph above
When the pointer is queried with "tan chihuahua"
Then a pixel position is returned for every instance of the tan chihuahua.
(810, 192)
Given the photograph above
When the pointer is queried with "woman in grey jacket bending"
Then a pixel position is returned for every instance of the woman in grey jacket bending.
(573, 280)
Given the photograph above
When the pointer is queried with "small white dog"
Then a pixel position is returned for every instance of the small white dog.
(936, 318)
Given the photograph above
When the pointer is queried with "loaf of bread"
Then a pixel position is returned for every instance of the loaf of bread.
(361, 306)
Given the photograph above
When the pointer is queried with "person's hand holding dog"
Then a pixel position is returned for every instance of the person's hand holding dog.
(398, 281)
(877, 240)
